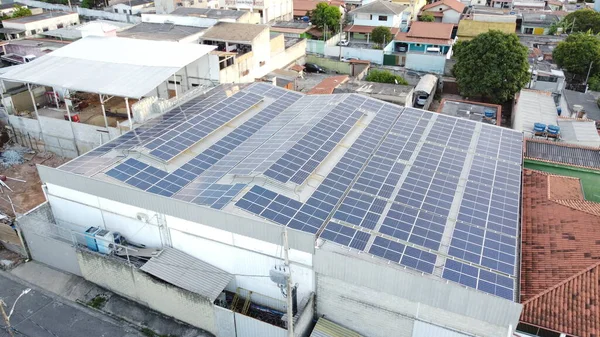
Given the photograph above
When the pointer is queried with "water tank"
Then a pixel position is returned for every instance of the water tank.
(553, 129)
(539, 127)
(90, 241)
(488, 113)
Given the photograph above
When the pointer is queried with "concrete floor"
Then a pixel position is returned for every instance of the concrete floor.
(40, 315)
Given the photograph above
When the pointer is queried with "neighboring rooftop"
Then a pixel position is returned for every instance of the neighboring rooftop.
(11, 5)
(539, 19)
(301, 7)
(365, 29)
(326, 328)
(561, 153)
(234, 32)
(209, 13)
(579, 132)
(392, 93)
(381, 7)
(75, 32)
(298, 27)
(134, 3)
(471, 110)
(532, 107)
(428, 31)
(560, 269)
(586, 100)
(454, 4)
(38, 17)
(377, 180)
(160, 31)
(327, 85)
(468, 29)
(109, 65)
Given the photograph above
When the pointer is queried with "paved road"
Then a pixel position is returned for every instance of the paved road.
(39, 315)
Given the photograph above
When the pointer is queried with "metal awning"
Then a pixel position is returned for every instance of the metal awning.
(110, 65)
(326, 328)
(187, 272)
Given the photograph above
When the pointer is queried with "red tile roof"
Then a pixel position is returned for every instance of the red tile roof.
(405, 38)
(570, 306)
(303, 6)
(365, 29)
(327, 85)
(454, 4)
(431, 30)
(560, 242)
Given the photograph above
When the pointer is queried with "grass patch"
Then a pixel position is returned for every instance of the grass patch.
(97, 302)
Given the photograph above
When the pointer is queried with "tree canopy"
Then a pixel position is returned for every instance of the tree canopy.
(21, 11)
(426, 18)
(325, 14)
(381, 35)
(577, 52)
(382, 76)
(493, 65)
(584, 20)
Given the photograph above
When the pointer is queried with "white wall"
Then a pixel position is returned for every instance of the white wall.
(373, 20)
(39, 26)
(273, 10)
(179, 20)
(373, 55)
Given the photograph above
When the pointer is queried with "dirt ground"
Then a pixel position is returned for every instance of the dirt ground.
(26, 196)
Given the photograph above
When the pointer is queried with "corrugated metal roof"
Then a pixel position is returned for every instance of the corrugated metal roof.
(326, 328)
(422, 329)
(426, 84)
(110, 65)
(534, 107)
(188, 272)
(566, 154)
(579, 131)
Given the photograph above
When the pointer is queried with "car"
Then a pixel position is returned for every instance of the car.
(421, 100)
(343, 43)
(401, 49)
(313, 68)
(343, 59)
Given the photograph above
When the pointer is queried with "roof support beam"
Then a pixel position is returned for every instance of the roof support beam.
(104, 114)
(68, 93)
(37, 116)
(128, 113)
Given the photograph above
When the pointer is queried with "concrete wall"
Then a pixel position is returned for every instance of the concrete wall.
(56, 135)
(330, 64)
(277, 44)
(373, 20)
(114, 274)
(90, 13)
(426, 62)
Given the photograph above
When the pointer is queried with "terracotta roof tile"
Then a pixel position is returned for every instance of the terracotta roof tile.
(327, 85)
(454, 4)
(431, 30)
(571, 306)
(560, 242)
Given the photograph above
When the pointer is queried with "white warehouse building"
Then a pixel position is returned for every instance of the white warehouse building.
(401, 222)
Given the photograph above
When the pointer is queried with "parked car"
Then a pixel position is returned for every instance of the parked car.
(343, 59)
(343, 43)
(313, 68)
(421, 100)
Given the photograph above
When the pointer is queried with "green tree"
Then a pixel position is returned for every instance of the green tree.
(426, 18)
(584, 20)
(381, 35)
(21, 11)
(493, 65)
(87, 3)
(382, 76)
(326, 15)
(564, 25)
(577, 52)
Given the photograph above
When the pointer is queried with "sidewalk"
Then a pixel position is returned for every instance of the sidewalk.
(73, 288)
(39, 314)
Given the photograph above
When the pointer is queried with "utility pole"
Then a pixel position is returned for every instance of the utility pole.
(7, 318)
(290, 311)
(588, 75)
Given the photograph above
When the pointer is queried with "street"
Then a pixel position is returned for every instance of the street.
(38, 315)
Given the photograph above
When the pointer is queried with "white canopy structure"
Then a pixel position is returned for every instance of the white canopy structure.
(109, 65)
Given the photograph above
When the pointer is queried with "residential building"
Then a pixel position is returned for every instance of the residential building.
(133, 7)
(501, 3)
(375, 14)
(93, 28)
(532, 106)
(475, 111)
(224, 15)
(402, 95)
(168, 6)
(269, 10)
(537, 23)
(216, 202)
(7, 9)
(581, 104)
(163, 32)
(478, 23)
(34, 24)
(447, 11)
(425, 47)
(415, 6)
(248, 51)
(302, 7)
(556, 5)
(559, 267)
(17, 51)
(545, 77)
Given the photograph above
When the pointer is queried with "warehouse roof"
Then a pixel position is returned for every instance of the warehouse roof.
(370, 176)
(109, 65)
(556, 269)
(187, 272)
(235, 32)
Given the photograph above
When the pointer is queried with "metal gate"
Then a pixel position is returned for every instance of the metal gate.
(390, 60)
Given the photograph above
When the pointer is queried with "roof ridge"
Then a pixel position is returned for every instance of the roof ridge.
(563, 282)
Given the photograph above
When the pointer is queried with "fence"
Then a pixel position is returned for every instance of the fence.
(91, 13)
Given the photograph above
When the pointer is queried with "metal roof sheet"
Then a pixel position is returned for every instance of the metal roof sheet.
(110, 65)
(188, 272)
(326, 328)
(579, 131)
(534, 107)
(563, 153)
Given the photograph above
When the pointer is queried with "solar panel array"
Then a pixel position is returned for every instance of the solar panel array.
(428, 192)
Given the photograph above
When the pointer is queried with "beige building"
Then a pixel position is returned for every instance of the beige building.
(34, 24)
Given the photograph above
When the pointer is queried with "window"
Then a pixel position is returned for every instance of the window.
(382, 18)
(33, 32)
(547, 79)
(528, 31)
(116, 10)
(418, 45)
(59, 26)
(45, 29)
